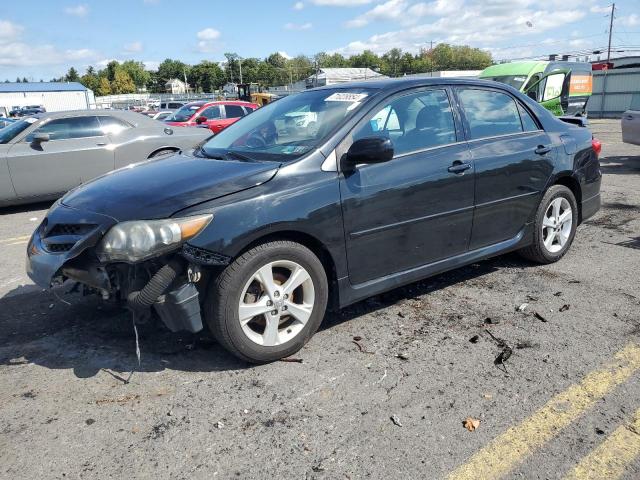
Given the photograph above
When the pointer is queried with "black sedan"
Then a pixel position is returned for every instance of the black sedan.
(260, 229)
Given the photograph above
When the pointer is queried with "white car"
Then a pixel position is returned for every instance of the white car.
(631, 127)
(160, 116)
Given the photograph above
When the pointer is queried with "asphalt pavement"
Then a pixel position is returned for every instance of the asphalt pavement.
(385, 390)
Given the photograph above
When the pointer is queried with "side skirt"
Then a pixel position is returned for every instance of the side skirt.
(354, 293)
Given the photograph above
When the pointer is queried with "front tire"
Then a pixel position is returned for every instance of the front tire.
(554, 226)
(268, 302)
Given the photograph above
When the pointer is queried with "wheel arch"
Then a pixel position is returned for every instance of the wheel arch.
(167, 148)
(318, 248)
(572, 184)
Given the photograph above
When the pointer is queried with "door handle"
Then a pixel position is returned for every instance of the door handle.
(541, 150)
(629, 117)
(101, 144)
(459, 167)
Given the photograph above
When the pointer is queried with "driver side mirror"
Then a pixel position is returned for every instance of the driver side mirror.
(41, 137)
(368, 150)
(201, 120)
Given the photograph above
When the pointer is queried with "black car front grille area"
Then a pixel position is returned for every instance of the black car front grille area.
(77, 229)
(204, 257)
(63, 236)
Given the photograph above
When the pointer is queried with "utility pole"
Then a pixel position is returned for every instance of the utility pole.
(431, 57)
(240, 64)
(613, 8)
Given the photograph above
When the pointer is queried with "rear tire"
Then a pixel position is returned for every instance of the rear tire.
(269, 302)
(554, 227)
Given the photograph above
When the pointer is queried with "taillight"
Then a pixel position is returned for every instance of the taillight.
(597, 146)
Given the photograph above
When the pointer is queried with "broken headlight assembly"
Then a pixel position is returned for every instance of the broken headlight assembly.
(139, 240)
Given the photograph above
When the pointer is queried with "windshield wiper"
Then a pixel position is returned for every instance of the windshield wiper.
(201, 152)
(240, 156)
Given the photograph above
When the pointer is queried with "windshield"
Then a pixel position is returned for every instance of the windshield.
(516, 81)
(183, 114)
(289, 128)
(9, 132)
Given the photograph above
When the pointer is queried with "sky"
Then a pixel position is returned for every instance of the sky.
(41, 39)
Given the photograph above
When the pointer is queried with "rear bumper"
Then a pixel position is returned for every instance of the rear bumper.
(590, 207)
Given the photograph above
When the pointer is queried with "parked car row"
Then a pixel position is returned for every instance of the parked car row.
(322, 198)
(216, 116)
(45, 155)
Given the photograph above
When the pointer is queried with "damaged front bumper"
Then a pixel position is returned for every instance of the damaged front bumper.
(63, 247)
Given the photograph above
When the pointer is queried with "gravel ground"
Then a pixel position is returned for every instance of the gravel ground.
(193, 411)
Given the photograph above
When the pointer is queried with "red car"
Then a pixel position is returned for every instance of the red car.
(215, 115)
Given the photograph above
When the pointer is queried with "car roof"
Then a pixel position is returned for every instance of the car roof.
(129, 116)
(208, 103)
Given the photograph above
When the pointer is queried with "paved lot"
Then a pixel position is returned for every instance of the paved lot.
(567, 404)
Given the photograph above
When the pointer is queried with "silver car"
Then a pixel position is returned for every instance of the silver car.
(44, 156)
(631, 127)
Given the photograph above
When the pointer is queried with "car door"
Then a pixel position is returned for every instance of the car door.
(417, 208)
(77, 151)
(7, 192)
(513, 160)
(214, 116)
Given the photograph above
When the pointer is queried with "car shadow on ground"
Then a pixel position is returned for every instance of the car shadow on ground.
(62, 330)
(620, 165)
(30, 207)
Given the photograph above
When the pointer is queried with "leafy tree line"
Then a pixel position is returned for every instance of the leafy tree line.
(206, 76)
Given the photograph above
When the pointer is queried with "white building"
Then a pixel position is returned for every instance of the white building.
(331, 76)
(176, 87)
(447, 74)
(53, 96)
(230, 88)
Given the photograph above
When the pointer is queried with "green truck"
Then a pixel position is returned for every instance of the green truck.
(562, 87)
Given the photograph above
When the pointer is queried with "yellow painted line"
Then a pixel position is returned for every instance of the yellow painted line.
(24, 237)
(509, 449)
(611, 458)
(22, 242)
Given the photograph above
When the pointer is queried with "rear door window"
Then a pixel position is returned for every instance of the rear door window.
(69, 128)
(233, 111)
(489, 113)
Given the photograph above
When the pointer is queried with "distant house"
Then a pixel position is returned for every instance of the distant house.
(53, 96)
(230, 88)
(331, 76)
(175, 86)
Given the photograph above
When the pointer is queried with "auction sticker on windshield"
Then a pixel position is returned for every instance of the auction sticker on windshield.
(345, 97)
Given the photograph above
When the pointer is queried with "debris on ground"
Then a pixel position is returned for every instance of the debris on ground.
(539, 317)
(522, 307)
(396, 421)
(474, 339)
(357, 338)
(291, 360)
(499, 341)
(491, 321)
(89, 421)
(219, 425)
(361, 348)
(557, 294)
(525, 344)
(532, 298)
(471, 423)
(564, 307)
(402, 356)
(503, 356)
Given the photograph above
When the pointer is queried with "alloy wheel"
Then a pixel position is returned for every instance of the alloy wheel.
(556, 225)
(276, 303)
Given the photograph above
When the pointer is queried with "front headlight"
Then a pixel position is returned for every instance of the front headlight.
(138, 240)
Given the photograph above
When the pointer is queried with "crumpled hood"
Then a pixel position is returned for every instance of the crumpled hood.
(159, 188)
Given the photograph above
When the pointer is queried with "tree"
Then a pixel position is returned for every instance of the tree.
(277, 60)
(90, 79)
(104, 87)
(110, 71)
(122, 82)
(25, 80)
(18, 80)
(207, 76)
(137, 72)
(366, 59)
(169, 69)
(72, 75)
